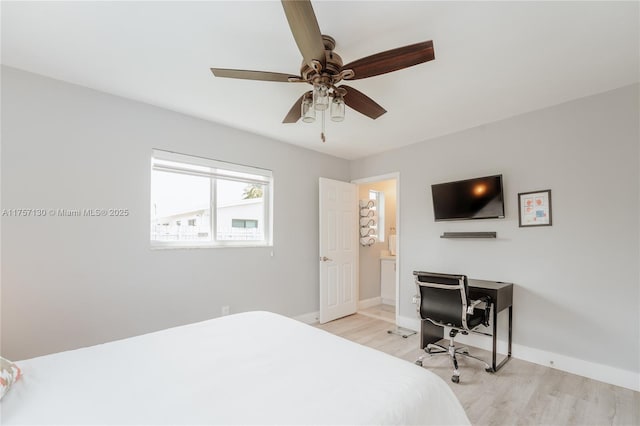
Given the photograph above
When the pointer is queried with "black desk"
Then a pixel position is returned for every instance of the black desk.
(501, 298)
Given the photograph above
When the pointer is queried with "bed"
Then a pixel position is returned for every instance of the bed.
(250, 368)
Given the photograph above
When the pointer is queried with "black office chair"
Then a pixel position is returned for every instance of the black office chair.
(443, 299)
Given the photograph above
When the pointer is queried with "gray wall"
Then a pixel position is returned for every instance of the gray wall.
(577, 282)
(76, 281)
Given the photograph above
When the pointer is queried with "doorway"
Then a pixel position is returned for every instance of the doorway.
(378, 252)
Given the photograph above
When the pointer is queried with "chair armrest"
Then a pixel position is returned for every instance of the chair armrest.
(417, 300)
(487, 308)
(474, 303)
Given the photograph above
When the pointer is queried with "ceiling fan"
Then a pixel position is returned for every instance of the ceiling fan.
(324, 70)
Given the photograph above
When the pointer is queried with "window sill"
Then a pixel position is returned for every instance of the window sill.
(160, 246)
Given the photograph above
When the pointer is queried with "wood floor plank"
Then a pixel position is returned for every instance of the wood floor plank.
(521, 393)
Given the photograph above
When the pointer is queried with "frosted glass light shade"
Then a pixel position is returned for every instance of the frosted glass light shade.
(321, 97)
(337, 109)
(308, 113)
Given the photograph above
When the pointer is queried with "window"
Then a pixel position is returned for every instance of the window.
(378, 196)
(244, 223)
(198, 202)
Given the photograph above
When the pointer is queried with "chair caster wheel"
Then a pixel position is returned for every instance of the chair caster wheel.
(418, 362)
(455, 379)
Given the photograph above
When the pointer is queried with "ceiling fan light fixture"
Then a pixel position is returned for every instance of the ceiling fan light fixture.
(337, 108)
(323, 69)
(308, 112)
(320, 97)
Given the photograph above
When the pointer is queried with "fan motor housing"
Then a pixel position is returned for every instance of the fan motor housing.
(333, 61)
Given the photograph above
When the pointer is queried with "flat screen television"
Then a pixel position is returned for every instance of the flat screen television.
(479, 198)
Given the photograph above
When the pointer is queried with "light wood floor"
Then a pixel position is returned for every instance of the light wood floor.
(382, 312)
(521, 393)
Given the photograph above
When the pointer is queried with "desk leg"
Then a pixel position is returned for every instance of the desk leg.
(495, 367)
(430, 333)
(510, 327)
(495, 339)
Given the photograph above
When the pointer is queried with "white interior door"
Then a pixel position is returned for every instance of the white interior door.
(338, 249)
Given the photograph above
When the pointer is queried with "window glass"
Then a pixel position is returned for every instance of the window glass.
(240, 209)
(181, 208)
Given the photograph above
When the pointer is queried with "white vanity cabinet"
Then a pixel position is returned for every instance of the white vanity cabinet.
(388, 280)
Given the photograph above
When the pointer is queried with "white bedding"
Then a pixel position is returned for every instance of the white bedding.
(251, 368)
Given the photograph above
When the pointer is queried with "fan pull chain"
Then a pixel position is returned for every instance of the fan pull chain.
(322, 133)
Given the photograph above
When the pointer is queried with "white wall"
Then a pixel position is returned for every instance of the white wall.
(76, 281)
(369, 265)
(576, 282)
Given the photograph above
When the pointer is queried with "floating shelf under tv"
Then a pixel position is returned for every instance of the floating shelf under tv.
(469, 235)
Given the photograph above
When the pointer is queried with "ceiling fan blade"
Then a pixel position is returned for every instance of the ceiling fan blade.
(305, 30)
(295, 112)
(391, 60)
(362, 103)
(253, 75)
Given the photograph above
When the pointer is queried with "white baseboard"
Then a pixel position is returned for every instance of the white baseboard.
(308, 318)
(388, 302)
(589, 369)
(410, 323)
(592, 370)
(368, 303)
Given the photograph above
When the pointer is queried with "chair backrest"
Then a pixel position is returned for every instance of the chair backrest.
(443, 298)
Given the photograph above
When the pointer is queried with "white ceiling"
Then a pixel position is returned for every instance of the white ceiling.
(493, 60)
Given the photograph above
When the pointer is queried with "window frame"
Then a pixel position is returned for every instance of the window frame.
(218, 170)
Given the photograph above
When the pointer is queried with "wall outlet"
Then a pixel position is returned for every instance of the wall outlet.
(225, 310)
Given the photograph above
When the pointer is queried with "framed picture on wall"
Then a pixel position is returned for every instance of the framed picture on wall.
(534, 208)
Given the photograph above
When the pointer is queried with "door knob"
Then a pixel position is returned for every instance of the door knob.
(325, 259)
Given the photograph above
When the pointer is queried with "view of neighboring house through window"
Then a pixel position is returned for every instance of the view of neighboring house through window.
(192, 196)
(378, 196)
